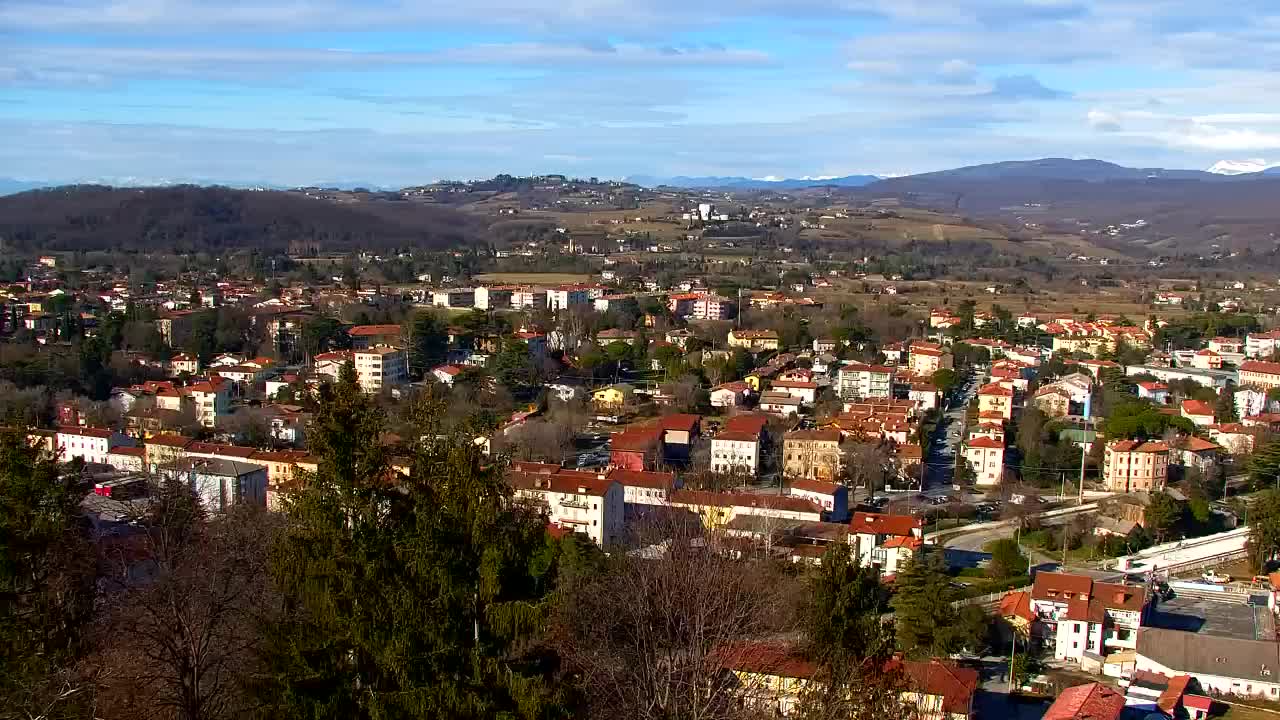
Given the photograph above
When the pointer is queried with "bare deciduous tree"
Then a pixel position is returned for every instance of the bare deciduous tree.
(643, 637)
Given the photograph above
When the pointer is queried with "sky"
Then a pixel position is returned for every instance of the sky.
(398, 92)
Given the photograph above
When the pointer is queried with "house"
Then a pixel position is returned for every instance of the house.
(771, 677)
(92, 445)
(1084, 619)
(736, 448)
(613, 335)
(1093, 701)
(221, 483)
(986, 456)
(162, 450)
(1135, 465)
(754, 340)
(885, 542)
(579, 501)
(824, 345)
(833, 498)
(679, 432)
(1015, 609)
(1234, 438)
(446, 374)
(856, 381)
(613, 397)
(184, 363)
(779, 404)
(731, 394)
(1053, 400)
(1260, 374)
(812, 454)
(1200, 413)
(367, 336)
(636, 448)
(995, 398)
(127, 458)
(380, 368)
(1221, 665)
(805, 392)
(1155, 391)
(1193, 452)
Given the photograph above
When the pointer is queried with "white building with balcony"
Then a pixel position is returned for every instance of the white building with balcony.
(1083, 620)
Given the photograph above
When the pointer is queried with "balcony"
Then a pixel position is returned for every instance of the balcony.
(575, 503)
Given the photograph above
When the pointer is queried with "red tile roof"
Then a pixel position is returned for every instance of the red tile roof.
(1260, 366)
(1054, 586)
(815, 486)
(1017, 604)
(1196, 407)
(954, 684)
(569, 483)
(685, 422)
(995, 389)
(177, 441)
(636, 439)
(984, 442)
(643, 478)
(370, 330)
(864, 523)
(85, 431)
(1094, 701)
(762, 658)
(771, 502)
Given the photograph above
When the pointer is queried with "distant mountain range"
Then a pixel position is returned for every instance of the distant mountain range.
(1045, 169)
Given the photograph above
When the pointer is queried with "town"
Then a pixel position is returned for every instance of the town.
(1061, 495)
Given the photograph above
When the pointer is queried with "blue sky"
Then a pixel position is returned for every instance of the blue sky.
(395, 92)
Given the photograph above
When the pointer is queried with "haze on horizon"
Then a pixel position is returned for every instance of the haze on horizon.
(397, 92)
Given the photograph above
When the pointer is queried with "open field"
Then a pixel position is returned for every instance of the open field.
(533, 278)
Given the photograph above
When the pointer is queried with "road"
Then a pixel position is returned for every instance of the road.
(947, 436)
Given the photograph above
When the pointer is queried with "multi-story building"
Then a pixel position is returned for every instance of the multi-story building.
(221, 483)
(381, 367)
(812, 454)
(1260, 374)
(885, 542)
(92, 445)
(928, 358)
(1261, 344)
(735, 452)
(754, 340)
(524, 298)
(584, 502)
(567, 296)
(184, 363)
(986, 456)
(494, 298)
(212, 399)
(1200, 413)
(804, 391)
(643, 487)
(718, 509)
(454, 297)
(996, 398)
(636, 448)
(367, 336)
(175, 327)
(1085, 620)
(1135, 466)
(856, 381)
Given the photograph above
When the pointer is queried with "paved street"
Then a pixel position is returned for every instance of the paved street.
(947, 437)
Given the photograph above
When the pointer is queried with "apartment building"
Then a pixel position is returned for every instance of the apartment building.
(812, 454)
(380, 367)
(454, 297)
(567, 296)
(1085, 620)
(927, 358)
(494, 298)
(833, 498)
(857, 381)
(1261, 344)
(1200, 413)
(1135, 466)
(92, 445)
(735, 452)
(580, 501)
(986, 456)
(995, 398)
(1260, 374)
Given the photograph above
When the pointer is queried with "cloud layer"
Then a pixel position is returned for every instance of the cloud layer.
(405, 90)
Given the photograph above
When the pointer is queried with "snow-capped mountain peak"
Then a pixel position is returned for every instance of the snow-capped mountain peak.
(1241, 167)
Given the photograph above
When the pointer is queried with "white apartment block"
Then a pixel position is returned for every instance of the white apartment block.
(735, 452)
(454, 297)
(93, 445)
(1085, 620)
(865, 381)
(578, 501)
(986, 456)
(493, 298)
(528, 298)
(381, 367)
(562, 298)
(1261, 344)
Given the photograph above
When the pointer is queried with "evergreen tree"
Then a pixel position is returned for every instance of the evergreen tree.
(427, 339)
(405, 596)
(927, 624)
(46, 583)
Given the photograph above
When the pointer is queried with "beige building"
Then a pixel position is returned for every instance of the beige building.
(1260, 374)
(381, 367)
(986, 456)
(754, 340)
(995, 398)
(812, 454)
(1135, 466)
(928, 358)
(1053, 401)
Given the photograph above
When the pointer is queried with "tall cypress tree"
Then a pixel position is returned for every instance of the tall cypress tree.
(405, 596)
(46, 583)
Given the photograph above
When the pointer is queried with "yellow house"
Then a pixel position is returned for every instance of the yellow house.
(996, 398)
(613, 396)
(754, 340)
(1094, 345)
(774, 677)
